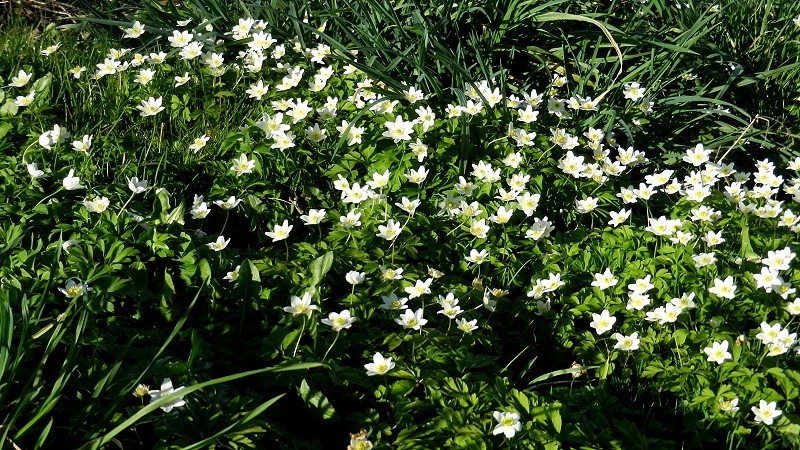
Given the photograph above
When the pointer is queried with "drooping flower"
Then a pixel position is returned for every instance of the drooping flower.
(72, 182)
(35, 172)
(355, 277)
(137, 186)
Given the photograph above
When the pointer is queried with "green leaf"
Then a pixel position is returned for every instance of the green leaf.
(320, 267)
(205, 270)
(9, 108)
(554, 414)
(315, 400)
(42, 84)
(5, 127)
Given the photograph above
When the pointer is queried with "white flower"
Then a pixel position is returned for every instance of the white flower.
(417, 176)
(71, 182)
(507, 423)
(627, 343)
(84, 144)
(77, 71)
(96, 204)
(219, 244)
(724, 288)
(134, 31)
(25, 100)
(618, 218)
(167, 389)
(55, 136)
(602, 322)
(35, 172)
(242, 165)
(477, 257)
(766, 412)
(181, 80)
(390, 231)
(21, 79)
(586, 205)
(200, 210)
(180, 39)
(393, 302)
(74, 289)
(604, 280)
(339, 321)
(150, 107)
(467, 326)
(697, 156)
(379, 365)
(280, 232)
(313, 217)
(233, 275)
(633, 91)
(399, 130)
(230, 203)
(199, 143)
(718, 352)
(729, 405)
(257, 90)
(420, 288)
(301, 305)
(355, 277)
(411, 319)
(49, 50)
(352, 219)
(704, 259)
(136, 186)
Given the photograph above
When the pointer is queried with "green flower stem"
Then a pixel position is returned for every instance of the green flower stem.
(329, 348)
(126, 204)
(302, 329)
